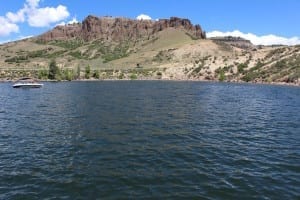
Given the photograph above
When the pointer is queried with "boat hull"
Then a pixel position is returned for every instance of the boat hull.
(33, 85)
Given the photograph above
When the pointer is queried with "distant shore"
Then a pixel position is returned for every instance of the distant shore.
(153, 79)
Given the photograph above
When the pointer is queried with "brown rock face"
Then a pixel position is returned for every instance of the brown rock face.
(62, 33)
(234, 41)
(119, 29)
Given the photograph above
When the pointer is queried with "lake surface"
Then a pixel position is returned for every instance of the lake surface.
(150, 139)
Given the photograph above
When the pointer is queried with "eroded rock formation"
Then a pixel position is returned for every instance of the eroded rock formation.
(119, 29)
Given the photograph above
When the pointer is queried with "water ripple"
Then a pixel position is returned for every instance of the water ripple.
(116, 140)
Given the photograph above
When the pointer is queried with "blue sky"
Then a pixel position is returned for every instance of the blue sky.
(261, 21)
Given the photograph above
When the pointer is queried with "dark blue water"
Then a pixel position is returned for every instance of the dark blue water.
(139, 140)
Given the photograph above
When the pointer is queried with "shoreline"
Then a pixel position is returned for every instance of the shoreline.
(170, 80)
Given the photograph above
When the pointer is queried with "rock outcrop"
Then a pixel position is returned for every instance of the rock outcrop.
(235, 41)
(62, 32)
(119, 29)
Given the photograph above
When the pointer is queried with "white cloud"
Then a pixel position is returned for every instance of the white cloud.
(6, 27)
(257, 40)
(143, 17)
(33, 3)
(43, 17)
(34, 15)
(73, 21)
(16, 17)
(61, 24)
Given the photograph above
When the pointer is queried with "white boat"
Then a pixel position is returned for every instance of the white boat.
(27, 83)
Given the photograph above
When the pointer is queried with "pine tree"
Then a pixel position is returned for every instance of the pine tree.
(87, 72)
(53, 70)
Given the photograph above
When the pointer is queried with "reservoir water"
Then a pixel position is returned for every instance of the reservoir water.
(150, 140)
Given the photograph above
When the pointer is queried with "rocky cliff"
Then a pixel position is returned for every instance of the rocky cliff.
(119, 29)
(235, 41)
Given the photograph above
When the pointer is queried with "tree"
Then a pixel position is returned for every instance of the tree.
(222, 76)
(96, 74)
(87, 72)
(68, 74)
(78, 72)
(53, 70)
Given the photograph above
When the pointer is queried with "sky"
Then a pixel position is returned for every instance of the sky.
(261, 21)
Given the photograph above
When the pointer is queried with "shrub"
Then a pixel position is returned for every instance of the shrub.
(70, 44)
(78, 72)
(68, 74)
(76, 54)
(121, 76)
(221, 72)
(241, 67)
(96, 74)
(17, 59)
(43, 74)
(222, 76)
(133, 76)
(87, 72)
(250, 76)
(54, 71)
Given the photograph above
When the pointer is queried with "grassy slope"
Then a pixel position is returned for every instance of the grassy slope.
(146, 51)
(172, 50)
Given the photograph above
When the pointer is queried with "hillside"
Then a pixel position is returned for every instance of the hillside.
(121, 48)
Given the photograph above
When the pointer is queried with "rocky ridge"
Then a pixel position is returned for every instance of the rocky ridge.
(119, 29)
(235, 41)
